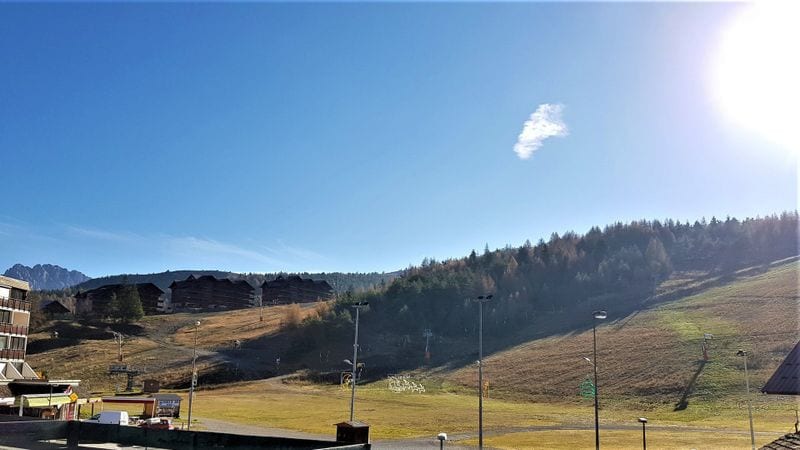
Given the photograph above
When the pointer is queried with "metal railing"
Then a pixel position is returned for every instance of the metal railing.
(14, 303)
(7, 353)
(13, 329)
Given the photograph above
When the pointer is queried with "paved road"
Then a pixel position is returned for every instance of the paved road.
(221, 426)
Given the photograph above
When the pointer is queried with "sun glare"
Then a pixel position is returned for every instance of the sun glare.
(756, 79)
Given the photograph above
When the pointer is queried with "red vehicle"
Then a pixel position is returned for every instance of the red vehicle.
(157, 423)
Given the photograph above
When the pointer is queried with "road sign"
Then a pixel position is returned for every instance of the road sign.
(587, 389)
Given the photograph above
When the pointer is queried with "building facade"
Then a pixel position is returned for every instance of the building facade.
(15, 315)
(209, 293)
(293, 289)
(22, 391)
(95, 302)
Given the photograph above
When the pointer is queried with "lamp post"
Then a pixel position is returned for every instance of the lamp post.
(358, 307)
(597, 315)
(643, 421)
(194, 375)
(743, 354)
(481, 300)
(441, 437)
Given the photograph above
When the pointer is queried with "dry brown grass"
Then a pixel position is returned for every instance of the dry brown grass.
(165, 351)
(655, 352)
(219, 330)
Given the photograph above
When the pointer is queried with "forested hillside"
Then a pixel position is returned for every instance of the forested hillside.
(341, 282)
(615, 268)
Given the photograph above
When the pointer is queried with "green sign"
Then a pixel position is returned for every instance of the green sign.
(587, 388)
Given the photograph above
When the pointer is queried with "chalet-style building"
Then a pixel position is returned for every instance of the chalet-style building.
(23, 392)
(54, 308)
(95, 302)
(786, 379)
(209, 293)
(293, 289)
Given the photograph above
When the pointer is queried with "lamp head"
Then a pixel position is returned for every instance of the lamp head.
(600, 315)
(741, 353)
(642, 419)
(442, 436)
(197, 323)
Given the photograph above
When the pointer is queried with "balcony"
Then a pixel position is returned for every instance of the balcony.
(14, 303)
(13, 329)
(7, 353)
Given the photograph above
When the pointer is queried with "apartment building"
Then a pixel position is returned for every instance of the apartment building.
(22, 391)
(15, 315)
(293, 289)
(209, 293)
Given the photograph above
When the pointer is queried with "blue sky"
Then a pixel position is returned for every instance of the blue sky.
(357, 137)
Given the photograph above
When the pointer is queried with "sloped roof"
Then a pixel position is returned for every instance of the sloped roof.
(14, 283)
(115, 287)
(54, 306)
(789, 441)
(786, 379)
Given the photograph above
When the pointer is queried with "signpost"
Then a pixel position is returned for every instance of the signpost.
(587, 389)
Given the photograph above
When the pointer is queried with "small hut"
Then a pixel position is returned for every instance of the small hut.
(54, 308)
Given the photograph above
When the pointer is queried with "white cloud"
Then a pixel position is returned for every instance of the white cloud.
(545, 122)
(211, 251)
(102, 235)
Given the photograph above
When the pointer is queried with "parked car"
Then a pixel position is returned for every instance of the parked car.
(157, 423)
(110, 417)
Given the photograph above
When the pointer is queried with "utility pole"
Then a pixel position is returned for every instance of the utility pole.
(480, 300)
(749, 403)
(357, 307)
(596, 315)
(118, 338)
(706, 337)
(427, 333)
(194, 375)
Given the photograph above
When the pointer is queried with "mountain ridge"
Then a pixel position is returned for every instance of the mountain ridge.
(46, 276)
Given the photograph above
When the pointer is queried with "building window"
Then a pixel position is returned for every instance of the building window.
(17, 343)
(5, 316)
(3, 342)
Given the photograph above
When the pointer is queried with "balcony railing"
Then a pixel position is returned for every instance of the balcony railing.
(14, 303)
(7, 353)
(13, 329)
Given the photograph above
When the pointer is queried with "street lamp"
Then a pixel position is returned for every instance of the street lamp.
(597, 315)
(194, 374)
(441, 437)
(481, 300)
(358, 307)
(643, 421)
(743, 354)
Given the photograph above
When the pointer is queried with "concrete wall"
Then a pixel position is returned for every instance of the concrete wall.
(22, 432)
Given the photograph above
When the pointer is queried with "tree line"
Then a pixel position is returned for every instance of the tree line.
(620, 262)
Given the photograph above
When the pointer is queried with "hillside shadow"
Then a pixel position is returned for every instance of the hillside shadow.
(256, 359)
(683, 403)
